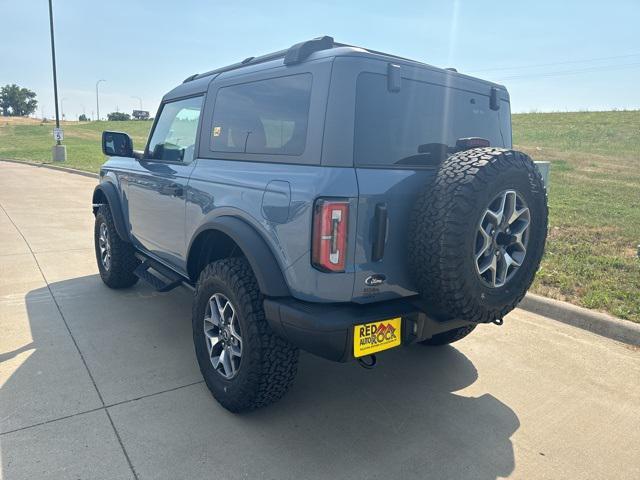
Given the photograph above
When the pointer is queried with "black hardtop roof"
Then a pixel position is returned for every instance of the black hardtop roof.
(297, 53)
(292, 55)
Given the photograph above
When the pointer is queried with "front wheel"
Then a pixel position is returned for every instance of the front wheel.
(116, 258)
(243, 362)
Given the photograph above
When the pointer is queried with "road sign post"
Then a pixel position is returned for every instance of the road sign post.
(58, 151)
(58, 134)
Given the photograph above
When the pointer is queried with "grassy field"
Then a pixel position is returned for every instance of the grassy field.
(594, 203)
(32, 140)
(591, 258)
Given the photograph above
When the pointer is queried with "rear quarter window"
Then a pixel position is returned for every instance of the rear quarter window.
(418, 125)
(263, 117)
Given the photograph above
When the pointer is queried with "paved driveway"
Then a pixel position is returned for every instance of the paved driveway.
(96, 383)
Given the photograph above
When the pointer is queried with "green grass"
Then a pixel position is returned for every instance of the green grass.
(594, 199)
(594, 206)
(32, 141)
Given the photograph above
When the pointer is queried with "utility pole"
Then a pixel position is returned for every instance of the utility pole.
(58, 151)
(98, 99)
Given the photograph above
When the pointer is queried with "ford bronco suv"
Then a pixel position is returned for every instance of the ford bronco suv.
(328, 198)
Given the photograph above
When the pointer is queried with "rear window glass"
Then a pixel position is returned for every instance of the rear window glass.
(420, 124)
(267, 116)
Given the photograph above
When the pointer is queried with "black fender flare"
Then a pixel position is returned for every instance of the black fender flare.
(109, 192)
(261, 258)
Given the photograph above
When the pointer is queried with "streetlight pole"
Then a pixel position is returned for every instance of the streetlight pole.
(59, 151)
(98, 99)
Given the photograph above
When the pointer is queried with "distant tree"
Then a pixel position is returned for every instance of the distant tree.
(118, 116)
(16, 101)
(83, 118)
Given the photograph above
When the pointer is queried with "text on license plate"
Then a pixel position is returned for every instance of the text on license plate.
(376, 336)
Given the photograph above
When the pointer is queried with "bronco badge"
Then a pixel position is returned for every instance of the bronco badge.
(375, 280)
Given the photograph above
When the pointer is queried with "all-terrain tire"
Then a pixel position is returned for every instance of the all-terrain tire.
(268, 364)
(444, 225)
(118, 273)
(445, 338)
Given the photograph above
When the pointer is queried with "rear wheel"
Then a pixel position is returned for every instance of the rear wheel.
(243, 362)
(116, 258)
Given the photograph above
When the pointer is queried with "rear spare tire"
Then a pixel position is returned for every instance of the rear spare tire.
(477, 234)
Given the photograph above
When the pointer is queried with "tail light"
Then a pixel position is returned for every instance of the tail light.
(329, 244)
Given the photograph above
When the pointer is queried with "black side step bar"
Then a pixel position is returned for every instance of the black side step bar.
(161, 278)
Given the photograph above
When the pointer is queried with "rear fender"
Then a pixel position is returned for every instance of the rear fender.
(262, 260)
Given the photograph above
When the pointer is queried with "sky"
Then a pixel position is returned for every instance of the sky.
(551, 55)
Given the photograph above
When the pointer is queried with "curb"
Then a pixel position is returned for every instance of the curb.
(599, 323)
(51, 166)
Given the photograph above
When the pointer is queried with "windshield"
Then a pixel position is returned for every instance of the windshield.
(420, 124)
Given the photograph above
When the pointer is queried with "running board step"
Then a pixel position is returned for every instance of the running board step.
(162, 281)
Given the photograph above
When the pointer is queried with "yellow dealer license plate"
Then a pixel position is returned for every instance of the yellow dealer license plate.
(374, 337)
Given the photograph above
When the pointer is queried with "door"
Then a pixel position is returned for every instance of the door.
(157, 187)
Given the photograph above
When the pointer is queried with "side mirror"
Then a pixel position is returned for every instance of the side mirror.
(117, 144)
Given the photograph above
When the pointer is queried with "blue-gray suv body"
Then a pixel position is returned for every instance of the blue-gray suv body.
(325, 197)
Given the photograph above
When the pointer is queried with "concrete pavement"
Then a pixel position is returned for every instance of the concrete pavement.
(96, 383)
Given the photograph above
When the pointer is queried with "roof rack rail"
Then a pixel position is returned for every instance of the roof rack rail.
(296, 54)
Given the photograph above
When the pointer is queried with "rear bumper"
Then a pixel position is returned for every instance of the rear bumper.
(326, 330)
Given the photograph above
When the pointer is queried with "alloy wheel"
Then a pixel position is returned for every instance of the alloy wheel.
(222, 335)
(105, 246)
(501, 239)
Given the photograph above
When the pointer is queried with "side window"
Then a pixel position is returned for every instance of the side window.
(266, 116)
(174, 136)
